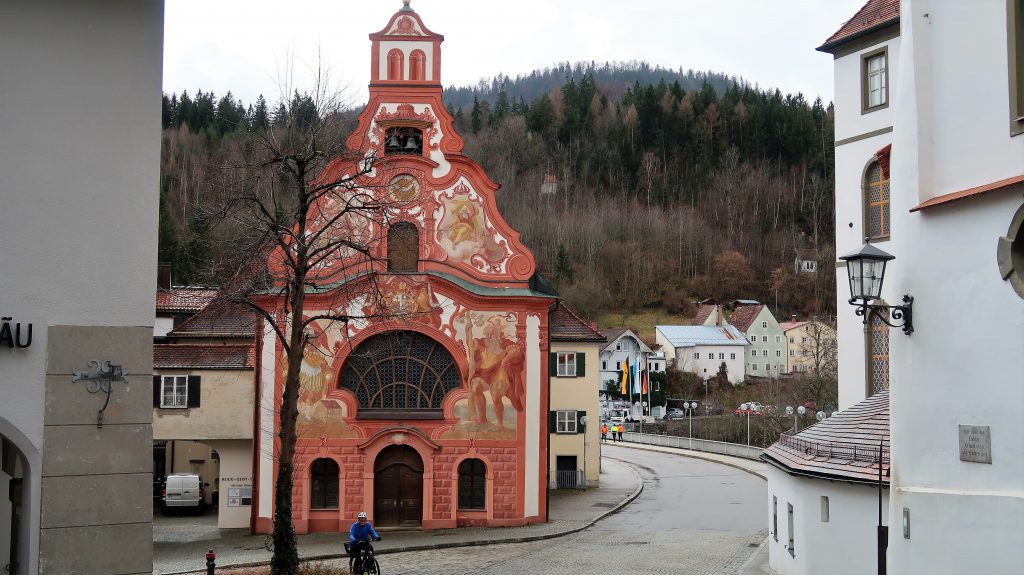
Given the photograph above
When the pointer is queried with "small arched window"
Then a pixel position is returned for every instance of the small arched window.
(878, 355)
(324, 484)
(418, 65)
(472, 484)
(876, 203)
(396, 64)
(403, 247)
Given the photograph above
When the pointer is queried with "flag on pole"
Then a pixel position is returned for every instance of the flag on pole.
(636, 375)
(644, 376)
(625, 377)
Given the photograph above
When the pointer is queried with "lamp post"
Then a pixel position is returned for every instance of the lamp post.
(690, 407)
(745, 408)
(865, 268)
(705, 387)
(794, 412)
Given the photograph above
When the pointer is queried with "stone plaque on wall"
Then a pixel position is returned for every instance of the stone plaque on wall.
(976, 443)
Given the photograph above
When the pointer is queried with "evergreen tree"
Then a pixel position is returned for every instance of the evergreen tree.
(476, 116)
(260, 119)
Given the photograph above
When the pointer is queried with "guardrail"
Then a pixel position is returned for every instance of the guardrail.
(572, 479)
(693, 444)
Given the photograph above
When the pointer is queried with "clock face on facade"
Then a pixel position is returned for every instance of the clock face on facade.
(404, 187)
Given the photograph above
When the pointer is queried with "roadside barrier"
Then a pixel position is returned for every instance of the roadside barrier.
(693, 444)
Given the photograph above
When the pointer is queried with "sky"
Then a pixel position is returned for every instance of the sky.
(253, 47)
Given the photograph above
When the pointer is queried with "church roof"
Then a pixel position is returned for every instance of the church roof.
(844, 446)
(874, 15)
(184, 299)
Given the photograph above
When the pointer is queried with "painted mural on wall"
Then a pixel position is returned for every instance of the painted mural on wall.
(466, 232)
(320, 416)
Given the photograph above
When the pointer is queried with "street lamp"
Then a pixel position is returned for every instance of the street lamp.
(794, 412)
(705, 387)
(745, 408)
(866, 270)
(690, 407)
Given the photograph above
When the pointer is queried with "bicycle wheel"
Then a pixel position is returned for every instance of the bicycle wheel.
(355, 566)
(372, 567)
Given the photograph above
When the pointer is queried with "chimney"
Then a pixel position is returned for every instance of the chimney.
(720, 319)
(792, 318)
(593, 325)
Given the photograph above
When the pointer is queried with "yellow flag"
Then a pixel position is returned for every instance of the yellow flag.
(625, 377)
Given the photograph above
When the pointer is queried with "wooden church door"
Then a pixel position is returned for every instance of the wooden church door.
(398, 487)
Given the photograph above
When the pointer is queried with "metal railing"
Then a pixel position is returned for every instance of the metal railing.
(572, 479)
(693, 444)
(852, 452)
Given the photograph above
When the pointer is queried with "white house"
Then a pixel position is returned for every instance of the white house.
(930, 169)
(79, 174)
(702, 349)
(766, 354)
(625, 345)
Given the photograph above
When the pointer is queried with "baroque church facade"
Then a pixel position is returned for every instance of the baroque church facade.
(430, 410)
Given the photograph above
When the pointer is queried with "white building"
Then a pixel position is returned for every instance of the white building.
(624, 345)
(952, 154)
(79, 175)
(766, 354)
(702, 349)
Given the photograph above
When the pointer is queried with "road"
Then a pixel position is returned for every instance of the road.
(693, 517)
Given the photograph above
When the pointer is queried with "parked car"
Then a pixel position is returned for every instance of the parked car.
(183, 492)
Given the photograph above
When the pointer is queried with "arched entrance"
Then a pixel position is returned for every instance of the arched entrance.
(398, 487)
(12, 478)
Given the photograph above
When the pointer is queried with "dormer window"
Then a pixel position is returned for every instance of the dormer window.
(403, 141)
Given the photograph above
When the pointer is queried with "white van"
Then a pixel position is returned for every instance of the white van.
(184, 491)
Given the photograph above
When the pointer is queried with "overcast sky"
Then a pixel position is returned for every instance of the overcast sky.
(248, 46)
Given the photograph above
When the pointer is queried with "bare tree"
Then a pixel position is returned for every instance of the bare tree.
(310, 214)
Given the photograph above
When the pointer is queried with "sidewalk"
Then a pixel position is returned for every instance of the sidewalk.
(178, 549)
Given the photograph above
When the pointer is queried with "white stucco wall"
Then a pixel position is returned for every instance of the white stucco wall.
(850, 121)
(844, 545)
(407, 49)
(706, 366)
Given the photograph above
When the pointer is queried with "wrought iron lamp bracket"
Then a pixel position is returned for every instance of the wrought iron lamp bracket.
(101, 379)
(903, 312)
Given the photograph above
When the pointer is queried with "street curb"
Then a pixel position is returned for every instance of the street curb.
(453, 544)
(696, 455)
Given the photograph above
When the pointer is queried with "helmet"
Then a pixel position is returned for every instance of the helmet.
(362, 515)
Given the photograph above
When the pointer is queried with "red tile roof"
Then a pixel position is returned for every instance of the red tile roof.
(744, 316)
(175, 356)
(788, 325)
(184, 299)
(945, 199)
(564, 325)
(703, 313)
(843, 447)
(612, 334)
(872, 16)
(220, 318)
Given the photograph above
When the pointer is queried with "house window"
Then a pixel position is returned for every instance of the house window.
(403, 247)
(803, 341)
(753, 367)
(403, 140)
(764, 325)
(792, 551)
(732, 356)
(876, 204)
(753, 338)
(878, 359)
(565, 422)
(775, 517)
(711, 356)
(764, 352)
(566, 364)
(618, 365)
(618, 346)
(875, 80)
(604, 365)
(753, 353)
(792, 353)
(778, 353)
(1015, 35)
(323, 491)
(764, 338)
(174, 391)
(824, 509)
(721, 356)
(472, 484)
(778, 339)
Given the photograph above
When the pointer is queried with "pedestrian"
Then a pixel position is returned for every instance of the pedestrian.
(620, 431)
(617, 432)
(604, 432)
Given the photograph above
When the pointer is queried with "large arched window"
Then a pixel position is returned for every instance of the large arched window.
(323, 484)
(876, 203)
(472, 484)
(403, 247)
(401, 374)
(396, 63)
(417, 65)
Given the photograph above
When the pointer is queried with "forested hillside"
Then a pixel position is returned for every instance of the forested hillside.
(665, 193)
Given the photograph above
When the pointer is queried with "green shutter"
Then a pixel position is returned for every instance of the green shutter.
(156, 391)
(194, 390)
(553, 364)
(581, 365)
(552, 421)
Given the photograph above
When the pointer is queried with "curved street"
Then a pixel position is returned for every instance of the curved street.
(693, 516)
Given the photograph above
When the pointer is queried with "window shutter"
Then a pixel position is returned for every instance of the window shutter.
(552, 421)
(156, 391)
(579, 421)
(193, 390)
(581, 370)
(553, 364)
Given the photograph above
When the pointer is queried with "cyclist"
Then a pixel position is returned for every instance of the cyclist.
(360, 534)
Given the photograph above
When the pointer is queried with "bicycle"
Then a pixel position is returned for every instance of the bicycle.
(364, 563)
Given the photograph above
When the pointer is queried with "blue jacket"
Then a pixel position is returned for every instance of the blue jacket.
(361, 532)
